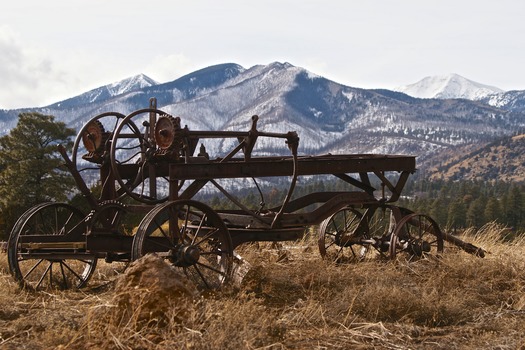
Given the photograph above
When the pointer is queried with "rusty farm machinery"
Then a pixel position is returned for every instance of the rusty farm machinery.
(146, 165)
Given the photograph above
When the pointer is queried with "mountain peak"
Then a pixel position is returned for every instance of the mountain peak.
(328, 116)
(448, 86)
(136, 82)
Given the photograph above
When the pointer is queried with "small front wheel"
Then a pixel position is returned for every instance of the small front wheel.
(417, 235)
(356, 234)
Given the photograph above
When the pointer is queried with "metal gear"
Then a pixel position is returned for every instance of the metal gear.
(106, 217)
(165, 130)
(94, 139)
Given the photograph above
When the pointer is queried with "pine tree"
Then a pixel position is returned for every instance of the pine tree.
(475, 212)
(513, 205)
(439, 211)
(457, 214)
(30, 166)
(493, 210)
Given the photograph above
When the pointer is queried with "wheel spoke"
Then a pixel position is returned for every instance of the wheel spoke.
(63, 274)
(57, 230)
(26, 265)
(51, 274)
(421, 235)
(48, 269)
(198, 230)
(207, 244)
(357, 230)
(330, 244)
(206, 237)
(164, 234)
(353, 252)
(63, 230)
(63, 263)
(340, 251)
(125, 161)
(32, 268)
(335, 226)
(131, 149)
(203, 279)
(186, 218)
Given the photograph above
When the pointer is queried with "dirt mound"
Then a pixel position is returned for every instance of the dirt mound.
(151, 290)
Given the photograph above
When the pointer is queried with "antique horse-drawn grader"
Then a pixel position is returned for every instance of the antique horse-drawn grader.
(147, 165)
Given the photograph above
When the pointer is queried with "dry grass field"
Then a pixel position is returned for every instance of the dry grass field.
(289, 299)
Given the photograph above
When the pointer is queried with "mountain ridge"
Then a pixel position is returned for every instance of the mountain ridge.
(448, 86)
(329, 117)
(126, 85)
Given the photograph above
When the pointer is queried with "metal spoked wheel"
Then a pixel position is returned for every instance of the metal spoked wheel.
(112, 218)
(107, 218)
(417, 235)
(90, 153)
(353, 234)
(46, 248)
(191, 236)
(136, 161)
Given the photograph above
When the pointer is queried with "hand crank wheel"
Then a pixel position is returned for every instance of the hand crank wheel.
(134, 158)
(90, 154)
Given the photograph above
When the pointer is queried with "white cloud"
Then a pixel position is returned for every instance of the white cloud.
(33, 76)
(54, 50)
(15, 65)
(29, 77)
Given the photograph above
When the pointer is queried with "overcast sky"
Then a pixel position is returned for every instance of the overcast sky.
(51, 50)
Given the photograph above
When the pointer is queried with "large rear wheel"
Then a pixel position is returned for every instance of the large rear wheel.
(192, 237)
(46, 248)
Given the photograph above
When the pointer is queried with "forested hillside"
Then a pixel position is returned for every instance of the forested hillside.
(500, 160)
(455, 205)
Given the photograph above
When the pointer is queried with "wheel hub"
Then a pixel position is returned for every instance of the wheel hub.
(419, 247)
(185, 255)
(344, 239)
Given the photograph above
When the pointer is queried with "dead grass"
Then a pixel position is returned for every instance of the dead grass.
(291, 299)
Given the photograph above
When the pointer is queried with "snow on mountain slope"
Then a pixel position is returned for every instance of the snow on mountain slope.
(510, 100)
(232, 104)
(105, 92)
(259, 90)
(130, 84)
(328, 117)
(448, 86)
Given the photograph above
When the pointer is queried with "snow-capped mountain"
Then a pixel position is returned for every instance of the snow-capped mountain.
(510, 100)
(103, 93)
(329, 117)
(448, 86)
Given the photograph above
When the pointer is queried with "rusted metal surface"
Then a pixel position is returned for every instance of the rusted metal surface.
(468, 247)
(157, 167)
